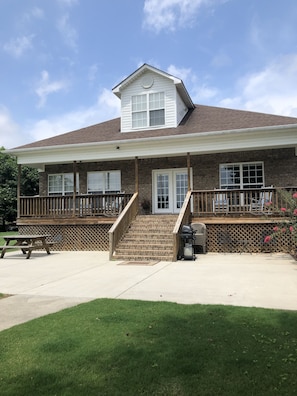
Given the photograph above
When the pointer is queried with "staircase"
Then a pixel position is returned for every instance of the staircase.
(148, 238)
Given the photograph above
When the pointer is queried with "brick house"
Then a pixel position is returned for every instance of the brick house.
(179, 158)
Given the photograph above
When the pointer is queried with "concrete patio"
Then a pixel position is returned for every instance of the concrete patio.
(48, 283)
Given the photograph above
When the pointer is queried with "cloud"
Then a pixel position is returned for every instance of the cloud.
(18, 46)
(271, 90)
(170, 14)
(107, 106)
(221, 59)
(67, 3)
(35, 12)
(179, 72)
(10, 132)
(200, 91)
(68, 32)
(46, 87)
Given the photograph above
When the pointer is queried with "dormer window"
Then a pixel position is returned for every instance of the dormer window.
(148, 110)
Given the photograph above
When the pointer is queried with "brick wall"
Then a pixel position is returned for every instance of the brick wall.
(279, 166)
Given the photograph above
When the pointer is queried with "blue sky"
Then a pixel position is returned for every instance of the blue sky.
(59, 59)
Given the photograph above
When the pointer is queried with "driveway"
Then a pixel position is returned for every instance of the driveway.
(48, 283)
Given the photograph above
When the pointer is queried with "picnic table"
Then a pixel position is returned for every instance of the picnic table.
(27, 243)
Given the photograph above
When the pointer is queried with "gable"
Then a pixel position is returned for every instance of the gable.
(152, 99)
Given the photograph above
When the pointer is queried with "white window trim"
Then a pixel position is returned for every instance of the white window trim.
(241, 164)
(63, 192)
(148, 110)
(104, 174)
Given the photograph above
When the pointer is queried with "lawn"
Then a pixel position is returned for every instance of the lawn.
(118, 347)
(2, 242)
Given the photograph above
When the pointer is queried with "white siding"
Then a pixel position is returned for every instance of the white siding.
(181, 109)
(173, 109)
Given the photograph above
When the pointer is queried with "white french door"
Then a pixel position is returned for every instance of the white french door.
(169, 190)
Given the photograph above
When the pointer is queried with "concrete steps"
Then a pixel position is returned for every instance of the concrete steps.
(148, 238)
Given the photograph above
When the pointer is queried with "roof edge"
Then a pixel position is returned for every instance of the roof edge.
(150, 139)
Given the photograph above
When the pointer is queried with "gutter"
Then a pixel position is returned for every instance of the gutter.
(157, 139)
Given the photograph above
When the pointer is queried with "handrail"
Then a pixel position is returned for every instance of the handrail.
(67, 206)
(122, 223)
(183, 218)
(230, 201)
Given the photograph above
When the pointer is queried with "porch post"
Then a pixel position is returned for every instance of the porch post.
(136, 176)
(74, 188)
(189, 171)
(19, 191)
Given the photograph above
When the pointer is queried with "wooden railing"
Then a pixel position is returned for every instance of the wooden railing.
(184, 217)
(67, 206)
(239, 202)
(122, 223)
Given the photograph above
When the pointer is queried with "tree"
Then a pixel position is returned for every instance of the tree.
(8, 186)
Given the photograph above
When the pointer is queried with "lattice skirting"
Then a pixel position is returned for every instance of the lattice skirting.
(220, 237)
(245, 238)
(72, 237)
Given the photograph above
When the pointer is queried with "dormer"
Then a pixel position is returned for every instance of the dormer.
(152, 99)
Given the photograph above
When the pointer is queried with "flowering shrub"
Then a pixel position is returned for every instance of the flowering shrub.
(288, 214)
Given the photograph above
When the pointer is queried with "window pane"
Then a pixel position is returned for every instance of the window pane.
(55, 184)
(139, 120)
(157, 117)
(139, 103)
(156, 101)
(181, 188)
(253, 175)
(113, 182)
(68, 182)
(230, 176)
(162, 191)
(95, 182)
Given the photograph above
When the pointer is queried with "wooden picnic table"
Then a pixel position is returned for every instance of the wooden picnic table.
(27, 243)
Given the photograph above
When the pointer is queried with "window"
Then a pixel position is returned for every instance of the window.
(240, 176)
(62, 184)
(148, 110)
(104, 182)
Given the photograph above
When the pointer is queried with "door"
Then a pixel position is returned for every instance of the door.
(169, 190)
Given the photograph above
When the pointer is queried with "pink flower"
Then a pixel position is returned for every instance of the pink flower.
(295, 195)
(275, 228)
(283, 209)
(291, 228)
(295, 212)
(267, 239)
(268, 203)
(284, 230)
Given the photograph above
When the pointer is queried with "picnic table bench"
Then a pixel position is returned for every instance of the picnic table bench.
(27, 243)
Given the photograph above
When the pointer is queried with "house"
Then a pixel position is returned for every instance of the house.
(189, 162)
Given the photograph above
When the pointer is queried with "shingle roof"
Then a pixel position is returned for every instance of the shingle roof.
(201, 119)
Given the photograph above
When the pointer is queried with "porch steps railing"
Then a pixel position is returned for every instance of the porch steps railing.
(148, 238)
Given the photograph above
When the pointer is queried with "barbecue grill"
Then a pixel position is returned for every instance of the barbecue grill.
(187, 236)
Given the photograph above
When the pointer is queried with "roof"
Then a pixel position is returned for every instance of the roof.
(199, 120)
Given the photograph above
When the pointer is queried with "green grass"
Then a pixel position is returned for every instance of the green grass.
(117, 347)
(2, 234)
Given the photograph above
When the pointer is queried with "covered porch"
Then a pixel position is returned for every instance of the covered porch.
(236, 220)
(225, 203)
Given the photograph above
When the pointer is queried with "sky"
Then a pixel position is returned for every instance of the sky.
(60, 59)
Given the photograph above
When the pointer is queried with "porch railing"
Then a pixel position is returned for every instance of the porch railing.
(67, 206)
(122, 223)
(237, 202)
(183, 218)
